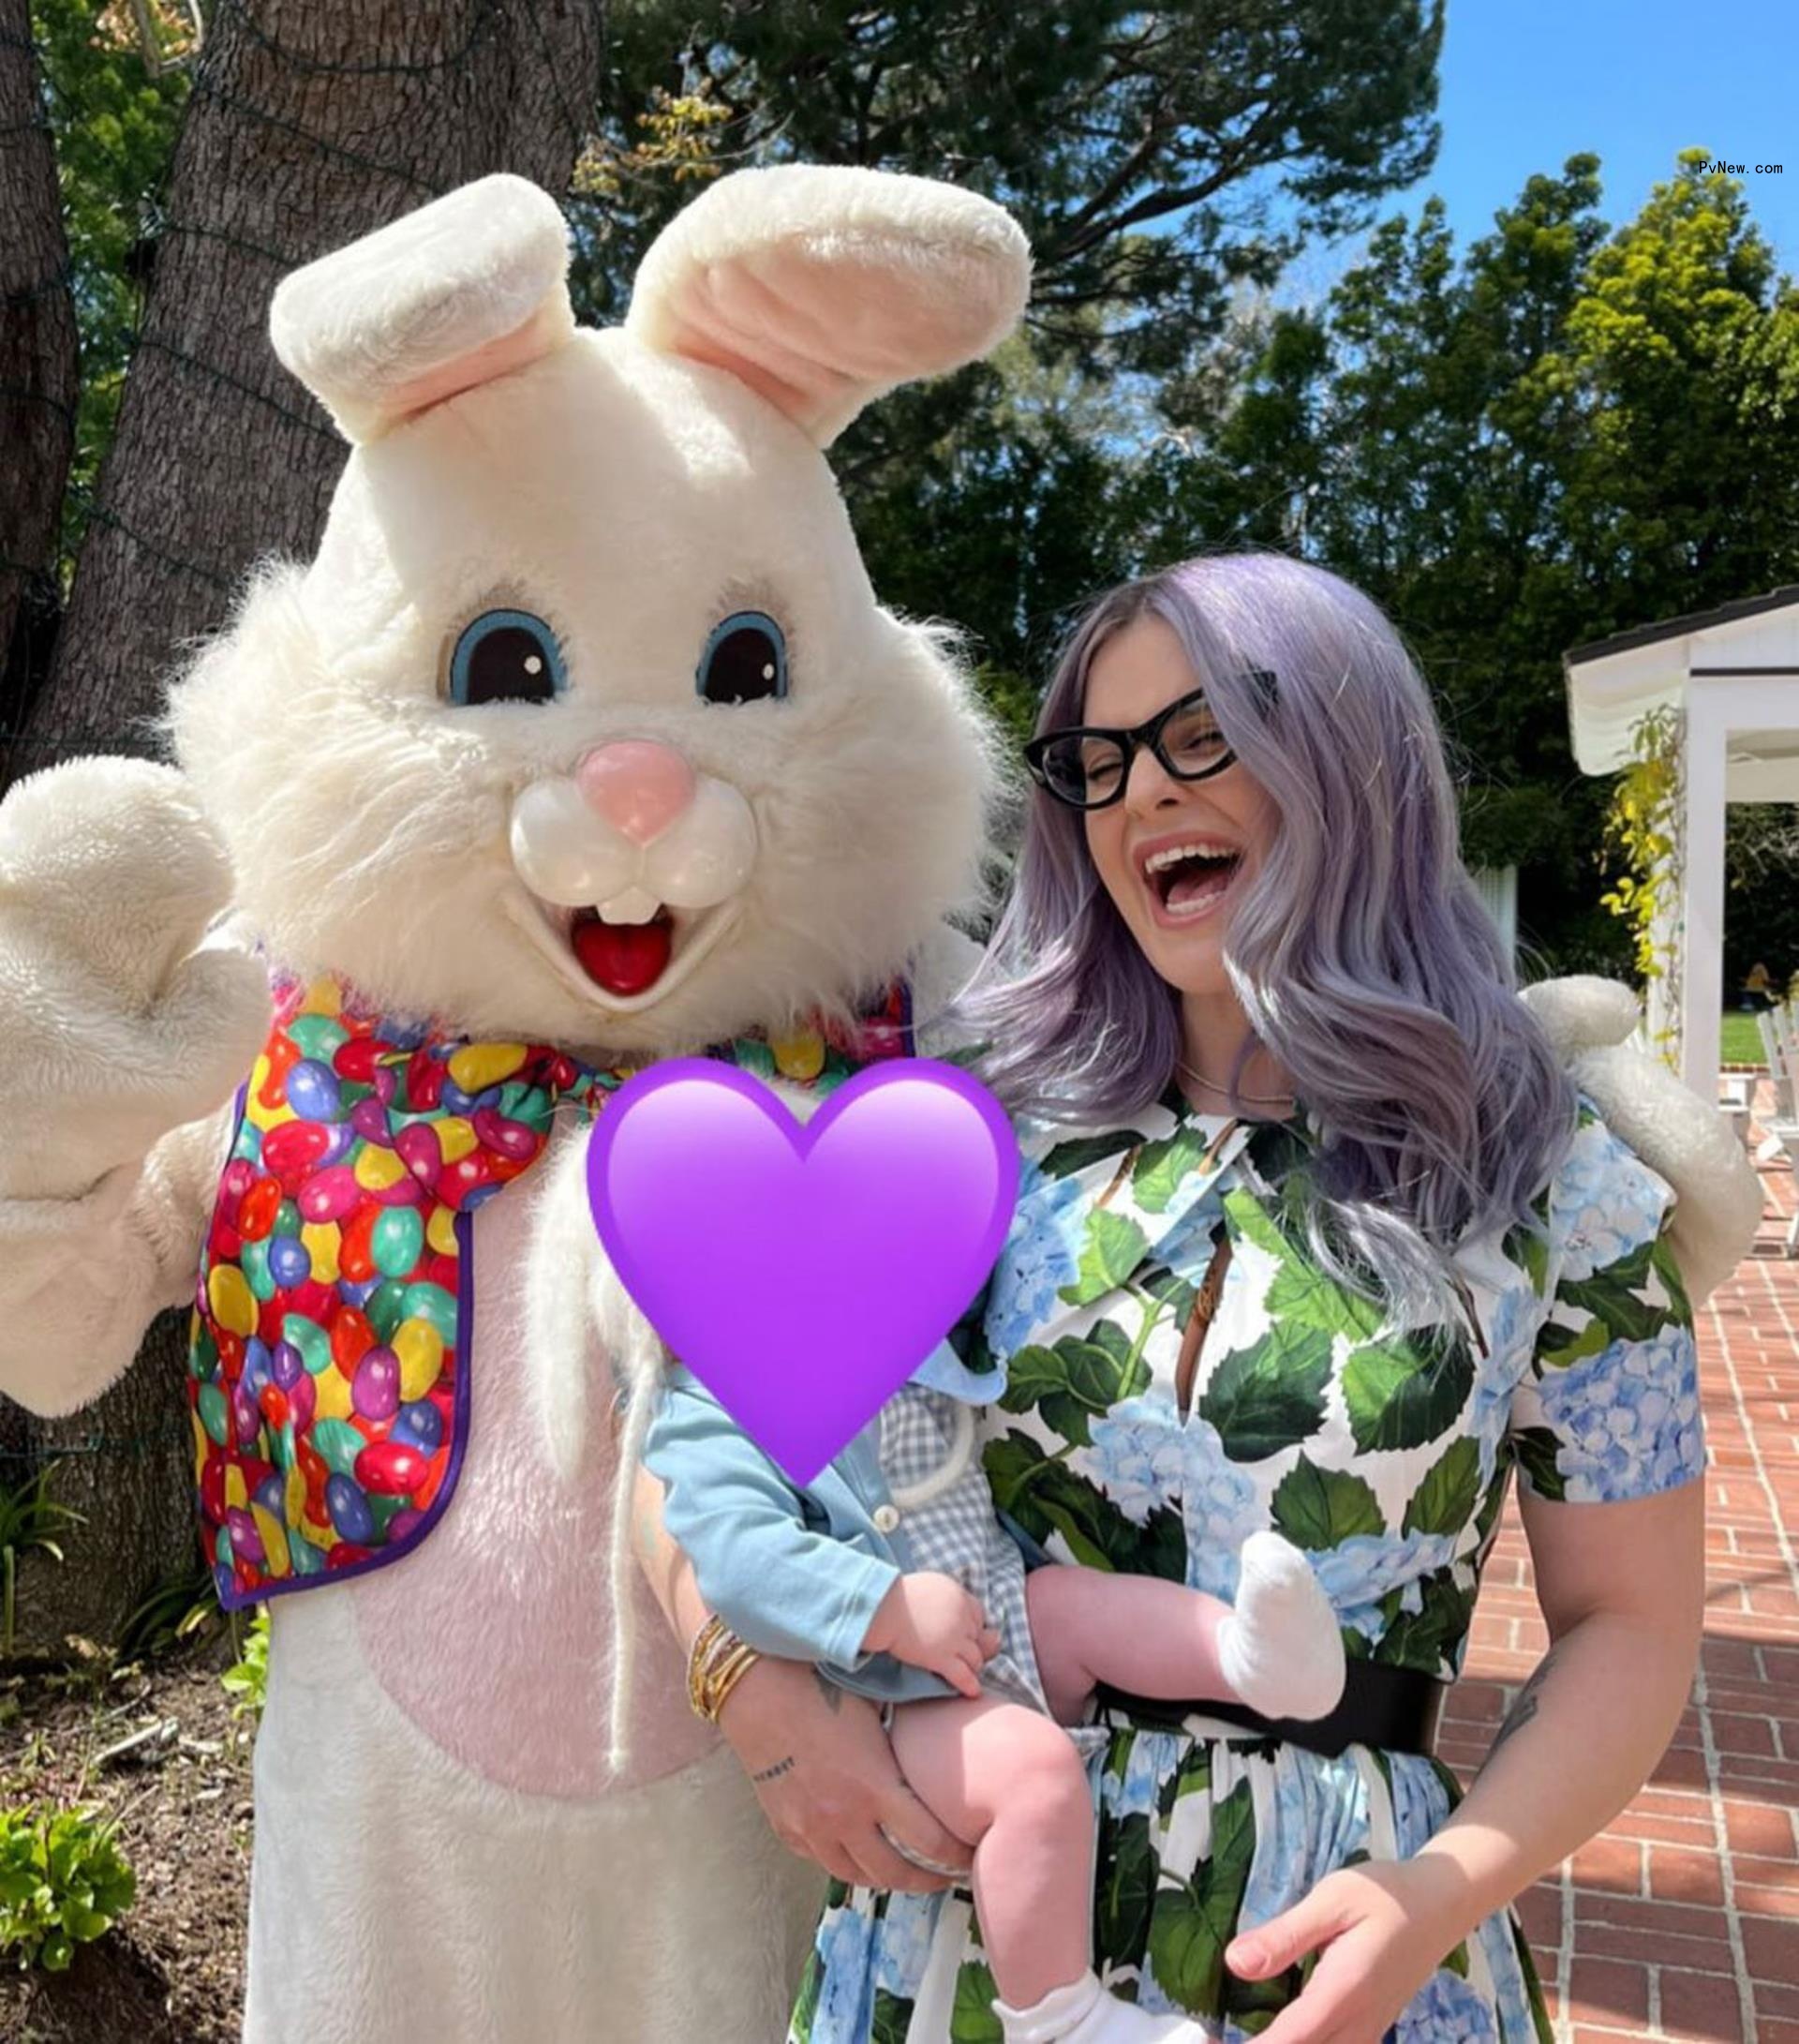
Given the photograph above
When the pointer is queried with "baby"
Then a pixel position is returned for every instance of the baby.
(892, 1572)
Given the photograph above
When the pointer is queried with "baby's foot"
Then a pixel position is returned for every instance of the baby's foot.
(1083, 2013)
(1280, 1649)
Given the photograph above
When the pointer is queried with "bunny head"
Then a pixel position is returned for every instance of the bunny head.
(584, 722)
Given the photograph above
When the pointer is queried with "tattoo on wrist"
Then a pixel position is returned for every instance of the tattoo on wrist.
(774, 1773)
(829, 1689)
(1523, 1710)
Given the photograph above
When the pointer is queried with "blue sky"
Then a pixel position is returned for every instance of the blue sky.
(1526, 83)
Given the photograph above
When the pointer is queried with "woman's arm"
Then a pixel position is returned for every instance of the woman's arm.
(820, 1763)
(1622, 1588)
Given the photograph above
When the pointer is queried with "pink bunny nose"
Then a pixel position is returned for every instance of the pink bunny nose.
(637, 785)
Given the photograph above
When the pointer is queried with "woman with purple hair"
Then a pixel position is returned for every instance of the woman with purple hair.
(1314, 1235)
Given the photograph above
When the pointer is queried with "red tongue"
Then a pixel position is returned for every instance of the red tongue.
(624, 958)
(1195, 883)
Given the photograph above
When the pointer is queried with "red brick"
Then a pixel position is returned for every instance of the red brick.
(1611, 1863)
(1761, 1828)
(1686, 1877)
(1700, 2004)
(1608, 1991)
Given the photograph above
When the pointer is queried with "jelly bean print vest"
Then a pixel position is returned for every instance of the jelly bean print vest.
(328, 1373)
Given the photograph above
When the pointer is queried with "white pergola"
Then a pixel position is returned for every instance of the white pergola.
(1732, 676)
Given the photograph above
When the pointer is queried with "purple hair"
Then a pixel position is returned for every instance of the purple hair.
(1360, 951)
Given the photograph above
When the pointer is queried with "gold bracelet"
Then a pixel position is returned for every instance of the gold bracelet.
(727, 1679)
(717, 1661)
(704, 1640)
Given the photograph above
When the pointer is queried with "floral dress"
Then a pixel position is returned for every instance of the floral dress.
(1386, 1457)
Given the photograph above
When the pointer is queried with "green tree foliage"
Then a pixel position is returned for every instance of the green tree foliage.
(1160, 163)
(114, 126)
(1558, 434)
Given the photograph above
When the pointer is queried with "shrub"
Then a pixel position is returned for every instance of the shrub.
(63, 1882)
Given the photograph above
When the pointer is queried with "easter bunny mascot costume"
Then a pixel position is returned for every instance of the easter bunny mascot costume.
(582, 743)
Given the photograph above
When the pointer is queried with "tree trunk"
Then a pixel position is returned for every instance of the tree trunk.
(310, 121)
(39, 371)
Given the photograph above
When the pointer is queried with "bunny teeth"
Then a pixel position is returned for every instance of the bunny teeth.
(631, 906)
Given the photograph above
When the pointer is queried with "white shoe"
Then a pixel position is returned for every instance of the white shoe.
(1083, 2013)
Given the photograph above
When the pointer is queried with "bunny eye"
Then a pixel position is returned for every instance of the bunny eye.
(745, 660)
(506, 656)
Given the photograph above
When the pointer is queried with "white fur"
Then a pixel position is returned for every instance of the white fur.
(1718, 1197)
(373, 328)
(822, 290)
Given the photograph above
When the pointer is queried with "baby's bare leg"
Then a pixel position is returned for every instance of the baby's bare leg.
(1010, 1782)
(1279, 1650)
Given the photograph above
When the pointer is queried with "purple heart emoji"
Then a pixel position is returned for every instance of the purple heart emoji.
(802, 1272)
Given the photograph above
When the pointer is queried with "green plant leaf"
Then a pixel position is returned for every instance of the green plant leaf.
(1115, 1245)
(1398, 1394)
(1318, 1508)
(1161, 1167)
(1270, 1395)
(1445, 1500)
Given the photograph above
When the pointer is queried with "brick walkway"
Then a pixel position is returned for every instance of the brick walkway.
(1682, 1919)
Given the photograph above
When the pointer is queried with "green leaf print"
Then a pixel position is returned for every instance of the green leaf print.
(1161, 1166)
(1432, 1636)
(1535, 1448)
(1110, 1336)
(1072, 1382)
(806, 2002)
(1444, 1502)
(1318, 1508)
(1558, 1347)
(892, 2019)
(1457, 1961)
(973, 2020)
(1616, 1296)
(1126, 1888)
(1403, 1393)
(1270, 1395)
(1115, 1245)
(1248, 1223)
(1192, 1776)
(1529, 1249)
(1046, 1497)
(1662, 1261)
(1193, 1922)
(1487, 1518)
(1068, 1158)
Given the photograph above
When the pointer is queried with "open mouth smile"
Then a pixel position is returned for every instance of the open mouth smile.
(1187, 878)
(633, 951)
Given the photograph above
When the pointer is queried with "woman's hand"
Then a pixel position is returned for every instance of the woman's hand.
(1380, 1931)
(828, 1781)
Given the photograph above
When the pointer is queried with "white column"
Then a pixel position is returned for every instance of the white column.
(1702, 990)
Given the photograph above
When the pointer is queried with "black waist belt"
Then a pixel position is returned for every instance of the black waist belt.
(1393, 1708)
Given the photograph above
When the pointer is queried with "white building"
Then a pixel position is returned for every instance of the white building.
(1732, 675)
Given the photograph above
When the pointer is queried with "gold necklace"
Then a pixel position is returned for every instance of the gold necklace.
(1259, 1099)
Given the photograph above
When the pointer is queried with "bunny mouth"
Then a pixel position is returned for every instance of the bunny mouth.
(628, 964)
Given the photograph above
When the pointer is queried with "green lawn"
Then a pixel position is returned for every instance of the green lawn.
(1742, 1041)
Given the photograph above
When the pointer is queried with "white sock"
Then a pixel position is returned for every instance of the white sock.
(1083, 2013)
(1280, 1649)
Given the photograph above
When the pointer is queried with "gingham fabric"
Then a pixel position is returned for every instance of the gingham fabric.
(957, 1533)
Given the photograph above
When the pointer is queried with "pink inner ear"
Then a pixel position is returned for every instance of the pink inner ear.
(524, 344)
(817, 332)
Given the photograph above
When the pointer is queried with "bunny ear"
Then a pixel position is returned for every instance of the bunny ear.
(822, 289)
(463, 290)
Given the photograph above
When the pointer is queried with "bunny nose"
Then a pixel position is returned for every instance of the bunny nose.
(638, 786)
